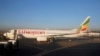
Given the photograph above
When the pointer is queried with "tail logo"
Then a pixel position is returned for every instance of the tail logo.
(83, 27)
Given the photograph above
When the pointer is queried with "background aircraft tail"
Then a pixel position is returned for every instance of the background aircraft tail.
(84, 26)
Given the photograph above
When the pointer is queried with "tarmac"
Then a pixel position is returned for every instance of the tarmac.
(60, 47)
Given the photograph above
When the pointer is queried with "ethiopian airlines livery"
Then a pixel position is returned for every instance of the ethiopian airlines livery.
(45, 34)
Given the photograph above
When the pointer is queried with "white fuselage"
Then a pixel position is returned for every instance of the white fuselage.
(33, 33)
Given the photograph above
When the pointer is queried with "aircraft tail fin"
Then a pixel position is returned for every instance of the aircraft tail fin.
(84, 26)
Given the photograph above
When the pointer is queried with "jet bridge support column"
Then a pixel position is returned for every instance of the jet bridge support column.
(16, 38)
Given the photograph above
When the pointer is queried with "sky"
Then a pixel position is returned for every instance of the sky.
(51, 14)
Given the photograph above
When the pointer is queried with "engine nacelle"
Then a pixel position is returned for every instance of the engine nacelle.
(42, 38)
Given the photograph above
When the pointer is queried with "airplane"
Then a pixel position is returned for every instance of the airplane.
(45, 35)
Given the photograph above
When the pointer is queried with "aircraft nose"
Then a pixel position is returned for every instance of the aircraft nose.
(4, 34)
